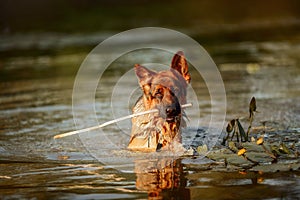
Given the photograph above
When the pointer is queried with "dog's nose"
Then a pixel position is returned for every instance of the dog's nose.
(173, 110)
(170, 110)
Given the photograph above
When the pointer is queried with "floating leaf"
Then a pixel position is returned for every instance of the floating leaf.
(260, 141)
(275, 167)
(259, 157)
(232, 146)
(284, 149)
(202, 149)
(243, 172)
(275, 150)
(63, 157)
(260, 180)
(189, 152)
(242, 152)
(253, 147)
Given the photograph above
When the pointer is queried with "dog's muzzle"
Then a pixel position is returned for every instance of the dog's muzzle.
(171, 113)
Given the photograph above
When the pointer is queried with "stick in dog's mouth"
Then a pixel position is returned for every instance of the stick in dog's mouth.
(113, 121)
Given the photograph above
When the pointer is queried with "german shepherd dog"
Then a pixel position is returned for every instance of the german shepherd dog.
(166, 91)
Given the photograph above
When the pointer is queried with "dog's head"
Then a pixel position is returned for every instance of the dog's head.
(165, 90)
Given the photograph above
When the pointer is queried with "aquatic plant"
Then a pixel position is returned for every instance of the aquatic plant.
(234, 127)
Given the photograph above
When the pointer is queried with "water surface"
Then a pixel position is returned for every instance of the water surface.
(36, 104)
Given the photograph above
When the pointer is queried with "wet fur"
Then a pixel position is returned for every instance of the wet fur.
(165, 91)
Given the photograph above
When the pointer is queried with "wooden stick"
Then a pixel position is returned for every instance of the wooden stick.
(112, 121)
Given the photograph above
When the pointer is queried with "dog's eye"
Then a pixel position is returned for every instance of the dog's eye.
(158, 93)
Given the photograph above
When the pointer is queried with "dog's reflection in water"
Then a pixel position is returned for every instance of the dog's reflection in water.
(162, 178)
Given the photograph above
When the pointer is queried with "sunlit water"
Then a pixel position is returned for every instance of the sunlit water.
(36, 104)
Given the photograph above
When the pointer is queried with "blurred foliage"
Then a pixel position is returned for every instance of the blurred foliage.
(99, 15)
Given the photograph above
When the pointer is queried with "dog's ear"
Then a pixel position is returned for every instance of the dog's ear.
(145, 76)
(179, 63)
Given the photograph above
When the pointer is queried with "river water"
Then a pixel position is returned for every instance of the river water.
(36, 87)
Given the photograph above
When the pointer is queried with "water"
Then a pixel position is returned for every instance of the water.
(36, 104)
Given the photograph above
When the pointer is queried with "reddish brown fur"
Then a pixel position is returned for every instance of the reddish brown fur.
(166, 91)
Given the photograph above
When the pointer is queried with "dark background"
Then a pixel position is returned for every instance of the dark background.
(202, 18)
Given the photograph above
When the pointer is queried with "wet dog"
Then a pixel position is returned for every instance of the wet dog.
(166, 91)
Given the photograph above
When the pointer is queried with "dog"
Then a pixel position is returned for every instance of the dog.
(166, 91)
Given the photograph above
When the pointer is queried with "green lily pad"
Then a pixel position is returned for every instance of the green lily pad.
(277, 167)
(259, 157)
(253, 147)
(240, 161)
